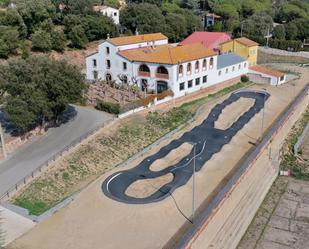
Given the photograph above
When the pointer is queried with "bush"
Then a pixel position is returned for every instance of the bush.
(244, 78)
(108, 107)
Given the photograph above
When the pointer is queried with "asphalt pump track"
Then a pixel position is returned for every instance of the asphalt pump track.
(208, 141)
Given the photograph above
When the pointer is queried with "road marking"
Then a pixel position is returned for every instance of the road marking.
(111, 180)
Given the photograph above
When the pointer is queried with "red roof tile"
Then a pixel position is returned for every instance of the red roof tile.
(267, 71)
(211, 40)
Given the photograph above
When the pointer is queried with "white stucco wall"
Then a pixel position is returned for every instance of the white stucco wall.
(174, 79)
(273, 80)
(112, 13)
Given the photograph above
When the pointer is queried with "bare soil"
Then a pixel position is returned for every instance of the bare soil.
(145, 188)
(171, 158)
(232, 112)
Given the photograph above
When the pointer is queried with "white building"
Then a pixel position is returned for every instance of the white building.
(153, 64)
(262, 75)
(108, 11)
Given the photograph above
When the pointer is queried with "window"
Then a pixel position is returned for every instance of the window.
(204, 64)
(180, 70)
(204, 79)
(108, 64)
(233, 68)
(189, 68)
(107, 50)
(125, 79)
(94, 61)
(219, 73)
(245, 65)
(226, 70)
(190, 83)
(124, 66)
(181, 86)
(197, 66)
(239, 66)
(197, 81)
(211, 63)
(282, 78)
(115, 13)
(95, 75)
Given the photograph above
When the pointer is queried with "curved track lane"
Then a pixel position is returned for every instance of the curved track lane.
(208, 140)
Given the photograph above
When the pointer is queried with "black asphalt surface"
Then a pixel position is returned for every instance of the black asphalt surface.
(208, 140)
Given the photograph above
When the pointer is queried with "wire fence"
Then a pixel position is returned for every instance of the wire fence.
(47, 163)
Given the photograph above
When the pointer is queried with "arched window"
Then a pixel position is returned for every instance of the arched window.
(204, 64)
(189, 68)
(180, 70)
(162, 72)
(144, 70)
(219, 73)
(197, 66)
(211, 63)
(245, 65)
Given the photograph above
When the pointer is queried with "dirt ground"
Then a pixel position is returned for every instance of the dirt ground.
(305, 147)
(94, 221)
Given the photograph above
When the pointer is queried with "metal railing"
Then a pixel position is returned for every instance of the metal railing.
(43, 166)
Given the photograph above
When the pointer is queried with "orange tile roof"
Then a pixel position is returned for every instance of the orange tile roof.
(100, 7)
(247, 42)
(167, 54)
(126, 40)
(267, 71)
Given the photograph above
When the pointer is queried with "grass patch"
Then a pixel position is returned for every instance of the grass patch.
(271, 58)
(299, 169)
(105, 152)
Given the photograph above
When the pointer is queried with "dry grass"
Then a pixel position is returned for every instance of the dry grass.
(271, 58)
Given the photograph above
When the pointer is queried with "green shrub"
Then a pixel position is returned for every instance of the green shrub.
(244, 78)
(108, 107)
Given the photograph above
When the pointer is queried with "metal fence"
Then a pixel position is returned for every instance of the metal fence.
(29, 177)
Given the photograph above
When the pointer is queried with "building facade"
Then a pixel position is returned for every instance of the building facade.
(154, 65)
(108, 11)
(244, 47)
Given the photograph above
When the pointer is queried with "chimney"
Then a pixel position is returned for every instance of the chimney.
(136, 32)
(108, 36)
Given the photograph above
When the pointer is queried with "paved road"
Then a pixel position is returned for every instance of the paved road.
(208, 140)
(35, 152)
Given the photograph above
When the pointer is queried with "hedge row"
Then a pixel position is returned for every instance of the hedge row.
(108, 107)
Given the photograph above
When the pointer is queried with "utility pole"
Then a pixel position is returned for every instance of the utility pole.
(263, 115)
(268, 36)
(193, 182)
(2, 141)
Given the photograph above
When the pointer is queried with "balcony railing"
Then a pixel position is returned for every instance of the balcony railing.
(143, 74)
(162, 76)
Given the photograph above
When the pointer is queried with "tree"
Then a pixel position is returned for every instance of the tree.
(9, 40)
(175, 27)
(58, 40)
(41, 41)
(112, 3)
(98, 26)
(34, 12)
(78, 37)
(13, 19)
(144, 17)
(279, 32)
(39, 89)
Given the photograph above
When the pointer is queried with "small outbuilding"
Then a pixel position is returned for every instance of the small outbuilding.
(263, 75)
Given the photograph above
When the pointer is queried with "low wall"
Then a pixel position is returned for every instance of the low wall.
(223, 222)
